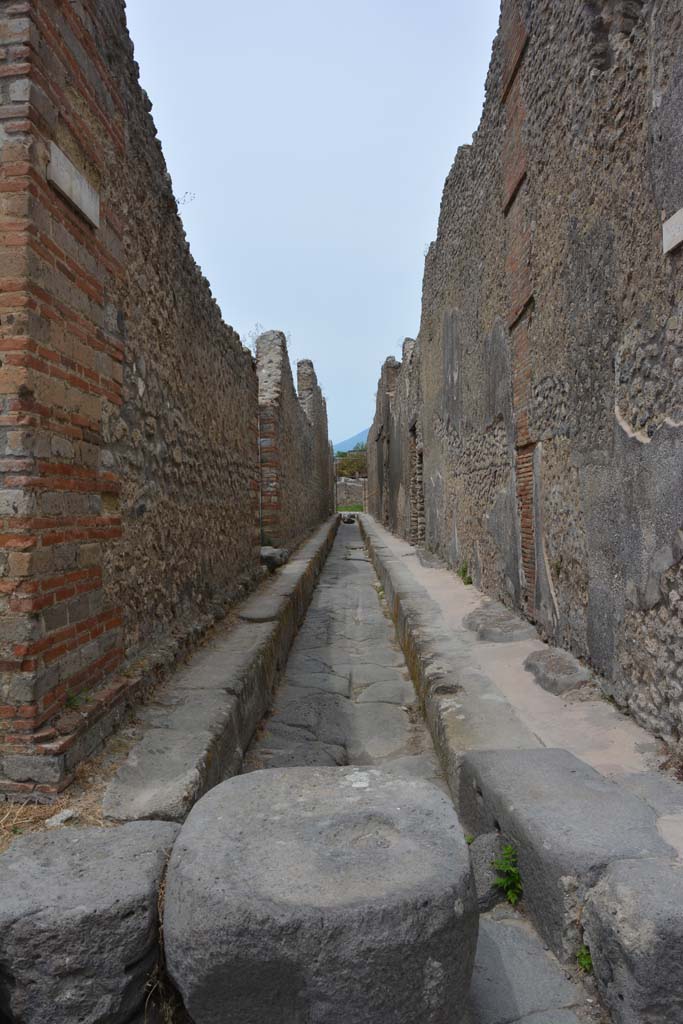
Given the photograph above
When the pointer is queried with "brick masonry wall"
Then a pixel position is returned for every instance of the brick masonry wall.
(549, 366)
(297, 471)
(129, 409)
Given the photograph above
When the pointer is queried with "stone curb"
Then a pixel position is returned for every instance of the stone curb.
(464, 709)
(569, 825)
(201, 721)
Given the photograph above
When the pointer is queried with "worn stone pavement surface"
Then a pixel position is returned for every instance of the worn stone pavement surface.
(346, 698)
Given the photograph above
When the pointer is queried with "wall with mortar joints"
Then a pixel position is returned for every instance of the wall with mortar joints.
(351, 491)
(395, 448)
(297, 471)
(551, 345)
(129, 409)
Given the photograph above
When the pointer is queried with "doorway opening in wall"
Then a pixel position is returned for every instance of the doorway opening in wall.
(417, 503)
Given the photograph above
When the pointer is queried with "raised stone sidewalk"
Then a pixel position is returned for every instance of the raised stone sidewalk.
(201, 721)
(567, 779)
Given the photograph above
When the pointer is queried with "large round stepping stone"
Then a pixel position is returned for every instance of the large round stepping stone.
(322, 896)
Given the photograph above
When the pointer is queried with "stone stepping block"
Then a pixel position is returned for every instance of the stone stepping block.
(567, 823)
(633, 923)
(325, 895)
(495, 624)
(557, 671)
(78, 922)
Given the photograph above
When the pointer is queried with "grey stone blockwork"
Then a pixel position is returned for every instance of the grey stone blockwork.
(551, 439)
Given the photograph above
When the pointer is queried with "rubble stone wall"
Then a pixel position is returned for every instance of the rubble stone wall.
(297, 473)
(130, 468)
(547, 381)
(351, 491)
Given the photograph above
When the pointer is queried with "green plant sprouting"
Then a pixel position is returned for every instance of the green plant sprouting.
(584, 960)
(464, 574)
(509, 879)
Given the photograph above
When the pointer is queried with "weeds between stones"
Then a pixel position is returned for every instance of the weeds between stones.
(509, 879)
(584, 960)
(464, 575)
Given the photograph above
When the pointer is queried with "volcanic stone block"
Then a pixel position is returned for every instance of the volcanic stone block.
(556, 671)
(516, 980)
(325, 895)
(78, 922)
(567, 823)
(633, 923)
(495, 624)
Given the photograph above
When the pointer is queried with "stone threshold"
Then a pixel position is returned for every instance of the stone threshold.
(570, 783)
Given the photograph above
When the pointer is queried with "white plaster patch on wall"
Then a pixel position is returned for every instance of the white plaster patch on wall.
(672, 231)
(641, 435)
(69, 181)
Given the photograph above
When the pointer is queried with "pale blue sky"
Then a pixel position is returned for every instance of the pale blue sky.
(316, 139)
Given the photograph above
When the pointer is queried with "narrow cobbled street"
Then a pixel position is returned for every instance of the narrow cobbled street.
(346, 698)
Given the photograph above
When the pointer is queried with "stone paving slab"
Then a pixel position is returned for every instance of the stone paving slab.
(516, 980)
(345, 696)
(390, 691)
(379, 731)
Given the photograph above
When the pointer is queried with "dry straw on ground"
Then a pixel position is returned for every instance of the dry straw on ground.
(84, 798)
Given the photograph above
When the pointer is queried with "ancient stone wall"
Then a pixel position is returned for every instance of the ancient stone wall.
(395, 449)
(296, 459)
(351, 491)
(549, 365)
(130, 468)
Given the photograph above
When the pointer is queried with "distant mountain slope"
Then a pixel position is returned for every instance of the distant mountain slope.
(351, 442)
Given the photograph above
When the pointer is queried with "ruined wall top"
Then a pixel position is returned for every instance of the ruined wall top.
(296, 464)
(272, 365)
(306, 377)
